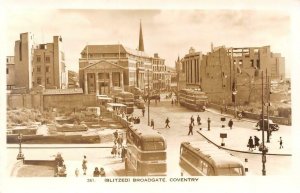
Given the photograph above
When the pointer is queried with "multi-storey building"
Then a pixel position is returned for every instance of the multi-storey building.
(188, 69)
(159, 72)
(239, 70)
(106, 68)
(103, 68)
(225, 71)
(23, 60)
(171, 79)
(10, 72)
(42, 64)
(49, 68)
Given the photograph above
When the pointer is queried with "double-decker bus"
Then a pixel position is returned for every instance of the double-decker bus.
(193, 99)
(127, 99)
(146, 152)
(205, 159)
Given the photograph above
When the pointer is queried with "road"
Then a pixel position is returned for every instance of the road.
(180, 118)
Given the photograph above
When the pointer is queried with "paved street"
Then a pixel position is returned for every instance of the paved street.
(237, 138)
(180, 118)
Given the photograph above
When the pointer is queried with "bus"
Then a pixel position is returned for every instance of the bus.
(127, 99)
(202, 158)
(146, 152)
(193, 99)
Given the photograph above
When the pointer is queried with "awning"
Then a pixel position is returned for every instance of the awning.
(116, 104)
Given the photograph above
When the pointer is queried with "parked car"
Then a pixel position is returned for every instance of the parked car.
(273, 126)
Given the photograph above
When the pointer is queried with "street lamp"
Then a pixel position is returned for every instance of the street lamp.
(264, 151)
(148, 98)
(20, 154)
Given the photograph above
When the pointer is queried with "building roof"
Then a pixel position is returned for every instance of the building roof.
(112, 49)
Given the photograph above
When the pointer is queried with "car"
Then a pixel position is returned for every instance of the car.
(273, 126)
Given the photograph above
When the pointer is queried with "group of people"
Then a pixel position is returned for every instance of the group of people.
(60, 169)
(98, 172)
(118, 148)
(253, 143)
(192, 124)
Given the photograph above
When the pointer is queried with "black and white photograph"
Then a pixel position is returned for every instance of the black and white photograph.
(143, 94)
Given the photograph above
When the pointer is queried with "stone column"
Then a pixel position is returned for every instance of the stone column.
(110, 82)
(96, 83)
(85, 84)
(121, 81)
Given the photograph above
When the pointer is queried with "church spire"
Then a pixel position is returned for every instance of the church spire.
(141, 41)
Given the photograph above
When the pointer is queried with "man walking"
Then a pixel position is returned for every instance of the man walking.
(199, 120)
(167, 122)
(208, 124)
(230, 123)
(143, 111)
(152, 124)
(190, 129)
(256, 142)
(192, 120)
(280, 143)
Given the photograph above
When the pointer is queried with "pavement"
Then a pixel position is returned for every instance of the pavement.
(237, 137)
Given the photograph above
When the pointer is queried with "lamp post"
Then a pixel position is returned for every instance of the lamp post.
(264, 159)
(148, 98)
(20, 154)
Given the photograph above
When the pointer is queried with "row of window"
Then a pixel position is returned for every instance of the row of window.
(159, 68)
(39, 59)
(39, 69)
(39, 80)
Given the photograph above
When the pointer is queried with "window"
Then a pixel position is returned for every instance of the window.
(38, 59)
(7, 71)
(48, 80)
(6, 60)
(47, 68)
(38, 69)
(258, 64)
(252, 63)
(39, 80)
(47, 59)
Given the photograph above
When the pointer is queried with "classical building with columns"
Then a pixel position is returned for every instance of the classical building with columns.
(106, 68)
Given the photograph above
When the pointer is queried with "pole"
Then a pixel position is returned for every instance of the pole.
(148, 98)
(268, 102)
(262, 129)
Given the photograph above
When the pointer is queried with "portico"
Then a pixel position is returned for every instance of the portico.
(103, 77)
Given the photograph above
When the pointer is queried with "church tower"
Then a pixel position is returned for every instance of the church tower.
(141, 41)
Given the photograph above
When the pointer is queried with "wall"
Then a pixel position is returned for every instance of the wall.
(278, 120)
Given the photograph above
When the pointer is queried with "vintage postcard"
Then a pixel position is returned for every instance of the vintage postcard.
(171, 96)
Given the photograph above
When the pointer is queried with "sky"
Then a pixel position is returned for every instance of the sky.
(170, 33)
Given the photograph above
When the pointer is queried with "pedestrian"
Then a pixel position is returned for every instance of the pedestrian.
(167, 122)
(230, 123)
(208, 124)
(152, 123)
(114, 150)
(198, 120)
(143, 111)
(120, 141)
(96, 172)
(190, 129)
(84, 165)
(172, 102)
(77, 172)
(280, 143)
(192, 120)
(123, 153)
(116, 134)
(256, 142)
(250, 143)
(102, 172)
